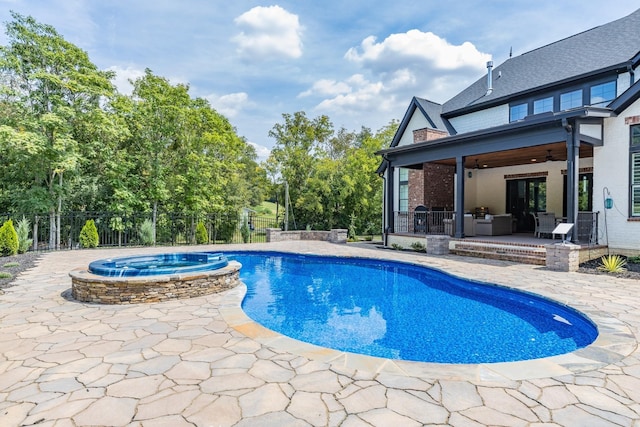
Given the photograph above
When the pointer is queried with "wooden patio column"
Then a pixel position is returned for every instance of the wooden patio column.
(459, 215)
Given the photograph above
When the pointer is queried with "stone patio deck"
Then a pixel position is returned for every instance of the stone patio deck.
(202, 362)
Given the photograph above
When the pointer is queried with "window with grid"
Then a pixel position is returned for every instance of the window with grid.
(603, 93)
(571, 100)
(543, 105)
(517, 112)
(403, 193)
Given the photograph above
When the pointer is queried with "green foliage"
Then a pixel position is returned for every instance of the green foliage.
(202, 236)
(11, 264)
(23, 229)
(612, 264)
(146, 233)
(89, 235)
(5, 275)
(245, 232)
(633, 260)
(418, 246)
(397, 246)
(351, 231)
(331, 175)
(8, 239)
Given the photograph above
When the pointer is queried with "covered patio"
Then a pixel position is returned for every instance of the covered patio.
(539, 165)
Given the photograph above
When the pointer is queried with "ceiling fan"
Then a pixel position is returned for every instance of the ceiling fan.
(549, 157)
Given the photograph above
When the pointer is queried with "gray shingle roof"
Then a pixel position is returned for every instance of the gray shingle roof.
(599, 48)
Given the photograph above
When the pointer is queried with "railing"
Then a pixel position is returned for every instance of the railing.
(587, 227)
(430, 222)
(124, 230)
(438, 222)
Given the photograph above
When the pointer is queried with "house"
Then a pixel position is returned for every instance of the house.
(554, 130)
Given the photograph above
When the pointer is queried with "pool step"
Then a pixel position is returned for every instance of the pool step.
(525, 254)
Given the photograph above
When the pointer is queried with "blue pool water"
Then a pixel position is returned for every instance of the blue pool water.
(402, 311)
(153, 265)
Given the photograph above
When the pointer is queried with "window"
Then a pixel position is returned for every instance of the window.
(571, 99)
(517, 112)
(602, 94)
(543, 105)
(403, 202)
(635, 170)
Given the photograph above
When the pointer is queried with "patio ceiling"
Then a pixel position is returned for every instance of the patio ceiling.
(520, 156)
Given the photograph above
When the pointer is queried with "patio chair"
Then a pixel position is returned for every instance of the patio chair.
(536, 223)
(545, 223)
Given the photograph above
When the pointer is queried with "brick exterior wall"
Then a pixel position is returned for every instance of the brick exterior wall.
(439, 185)
(433, 185)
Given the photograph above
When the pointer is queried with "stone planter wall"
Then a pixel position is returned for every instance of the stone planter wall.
(333, 236)
(92, 288)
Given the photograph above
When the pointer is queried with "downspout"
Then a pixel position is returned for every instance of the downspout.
(632, 74)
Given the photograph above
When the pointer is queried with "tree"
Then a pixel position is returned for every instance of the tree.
(299, 141)
(49, 85)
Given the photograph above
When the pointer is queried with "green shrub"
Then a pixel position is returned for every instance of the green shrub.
(396, 246)
(8, 239)
(418, 246)
(245, 232)
(146, 232)
(226, 224)
(633, 260)
(612, 264)
(89, 235)
(24, 242)
(5, 275)
(202, 236)
(11, 264)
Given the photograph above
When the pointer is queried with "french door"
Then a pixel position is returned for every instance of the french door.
(525, 196)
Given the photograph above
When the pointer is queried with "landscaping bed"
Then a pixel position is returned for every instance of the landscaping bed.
(13, 265)
(632, 269)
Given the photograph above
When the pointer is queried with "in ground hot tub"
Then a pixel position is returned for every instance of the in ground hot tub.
(154, 265)
(154, 278)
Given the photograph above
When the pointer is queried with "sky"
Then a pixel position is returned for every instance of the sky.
(358, 62)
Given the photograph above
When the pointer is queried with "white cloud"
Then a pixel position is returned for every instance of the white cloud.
(261, 151)
(124, 76)
(417, 48)
(403, 65)
(269, 32)
(229, 105)
(327, 87)
(363, 94)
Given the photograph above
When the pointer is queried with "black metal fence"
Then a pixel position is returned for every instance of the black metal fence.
(127, 230)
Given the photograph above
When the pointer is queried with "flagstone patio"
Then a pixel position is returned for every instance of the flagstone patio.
(201, 361)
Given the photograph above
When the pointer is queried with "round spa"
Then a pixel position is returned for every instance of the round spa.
(154, 278)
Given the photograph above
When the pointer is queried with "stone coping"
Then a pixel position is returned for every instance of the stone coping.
(614, 342)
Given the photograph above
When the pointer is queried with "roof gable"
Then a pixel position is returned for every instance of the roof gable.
(609, 46)
(430, 110)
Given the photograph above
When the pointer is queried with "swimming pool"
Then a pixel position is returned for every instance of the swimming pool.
(402, 311)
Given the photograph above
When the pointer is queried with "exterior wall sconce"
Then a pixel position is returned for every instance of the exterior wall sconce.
(469, 174)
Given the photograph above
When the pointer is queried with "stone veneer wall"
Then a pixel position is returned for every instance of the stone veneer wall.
(334, 236)
(89, 287)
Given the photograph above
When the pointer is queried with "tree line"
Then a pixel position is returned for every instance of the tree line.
(71, 142)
